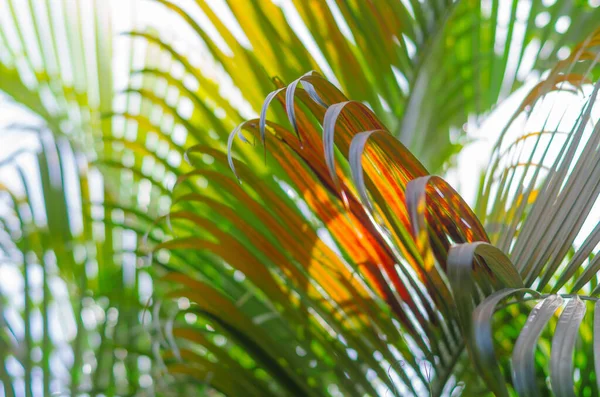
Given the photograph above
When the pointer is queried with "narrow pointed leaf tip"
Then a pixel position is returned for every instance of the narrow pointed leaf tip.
(481, 344)
(463, 258)
(263, 113)
(237, 132)
(355, 156)
(523, 360)
(563, 346)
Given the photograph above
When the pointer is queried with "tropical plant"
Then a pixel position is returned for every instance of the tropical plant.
(72, 294)
(330, 261)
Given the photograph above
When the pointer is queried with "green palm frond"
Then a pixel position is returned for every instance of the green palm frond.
(458, 57)
(412, 217)
(323, 300)
(537, 211)
(330, 261)
(83, 290)
(50, 66)
(70, 235)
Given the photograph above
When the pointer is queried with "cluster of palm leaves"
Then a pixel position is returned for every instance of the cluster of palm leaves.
(254, 214)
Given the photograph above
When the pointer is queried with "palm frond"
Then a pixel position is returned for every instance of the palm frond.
(72, 243)
(323, 283)
(412, 217)
(386, 55)
(339, 265)
(68, 279)
(544, 208)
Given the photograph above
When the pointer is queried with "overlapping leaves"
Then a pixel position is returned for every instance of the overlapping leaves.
(344, 173)
(72, 298)
(538, 210)
(330, 269)
(423, 67)
(320, 252)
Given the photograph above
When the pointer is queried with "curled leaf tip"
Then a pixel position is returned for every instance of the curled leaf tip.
(230, 140)
(262, 123)
(290, 99)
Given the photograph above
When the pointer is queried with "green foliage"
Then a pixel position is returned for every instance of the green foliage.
(330, 261)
